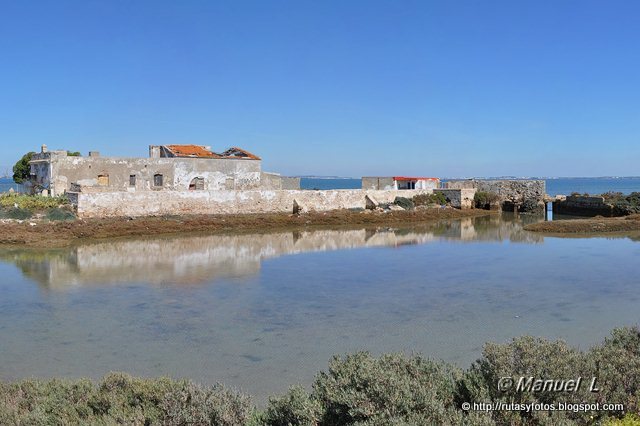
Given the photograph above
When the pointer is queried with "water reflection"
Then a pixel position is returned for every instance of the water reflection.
(197, 260)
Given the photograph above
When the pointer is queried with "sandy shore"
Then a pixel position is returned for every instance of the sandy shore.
(60, 234)
(588, 226)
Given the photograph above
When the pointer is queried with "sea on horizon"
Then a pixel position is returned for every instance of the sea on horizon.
(555, 186)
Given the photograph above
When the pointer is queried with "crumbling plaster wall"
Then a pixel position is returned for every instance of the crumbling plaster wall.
(104, 204)
(177, 173)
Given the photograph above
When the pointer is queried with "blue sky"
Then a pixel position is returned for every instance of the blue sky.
(351, 88)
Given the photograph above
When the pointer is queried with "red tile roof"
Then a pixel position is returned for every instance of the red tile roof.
(191, 151)
(236, 152)
(197, 151)
(414, 178)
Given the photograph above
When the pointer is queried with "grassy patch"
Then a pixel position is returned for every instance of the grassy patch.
(33, 203)
(427, 199)
(21, 206)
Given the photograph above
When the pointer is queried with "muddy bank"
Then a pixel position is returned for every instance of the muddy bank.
(588, 226)
(60, 234)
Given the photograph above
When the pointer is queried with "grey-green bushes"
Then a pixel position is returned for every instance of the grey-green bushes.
(357, 389)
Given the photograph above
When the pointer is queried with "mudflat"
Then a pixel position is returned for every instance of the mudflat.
(588, 226)
(63, 233)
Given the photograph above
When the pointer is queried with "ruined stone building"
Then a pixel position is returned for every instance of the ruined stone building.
(168, 168)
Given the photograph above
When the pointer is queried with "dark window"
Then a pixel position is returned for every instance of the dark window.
(132, 180)
(197, 184)
(157, 180)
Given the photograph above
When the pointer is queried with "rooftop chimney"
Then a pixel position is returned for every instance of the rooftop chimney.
(94, 154)
(44, 148)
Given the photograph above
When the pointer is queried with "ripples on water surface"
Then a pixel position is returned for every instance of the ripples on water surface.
(261, 312)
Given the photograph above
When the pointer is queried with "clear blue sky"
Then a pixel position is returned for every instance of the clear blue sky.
(441, 88)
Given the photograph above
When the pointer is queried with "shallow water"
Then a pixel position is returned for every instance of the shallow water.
(261, 312)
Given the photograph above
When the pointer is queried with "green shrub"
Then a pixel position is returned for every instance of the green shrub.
(630, 419)
(130, 400)
(427, 199)
(46, 402)
(404, 202)
(16, 213)
(484, 200)
(295, 408)
(60, 214)
(617, 367)
(22, 169)
(189, 404)
(392, 389)
(528, 357)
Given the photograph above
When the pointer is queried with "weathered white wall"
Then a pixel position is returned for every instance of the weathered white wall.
(144, 203)
(57, 171)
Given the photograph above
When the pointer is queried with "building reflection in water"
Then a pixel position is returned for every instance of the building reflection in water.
(196, 260)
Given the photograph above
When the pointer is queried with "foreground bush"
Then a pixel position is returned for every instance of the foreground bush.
(120, 399)
(361, 390)
(357, 389)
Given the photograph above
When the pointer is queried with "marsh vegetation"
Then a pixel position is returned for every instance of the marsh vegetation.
(356, 389)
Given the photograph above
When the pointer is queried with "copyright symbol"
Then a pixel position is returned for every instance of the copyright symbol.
(505, 383)
(466, 406)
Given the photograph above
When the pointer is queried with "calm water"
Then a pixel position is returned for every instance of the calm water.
(563, 186)
(6, 184)
(261, 312)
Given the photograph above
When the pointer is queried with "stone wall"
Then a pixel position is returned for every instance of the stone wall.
(144, 203)
(290, 182)
(275, 181)
(578, 205)
(385, 183)
(517, 190)
(460, 198)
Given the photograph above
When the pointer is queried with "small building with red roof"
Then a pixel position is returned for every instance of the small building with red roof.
(400, 182)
